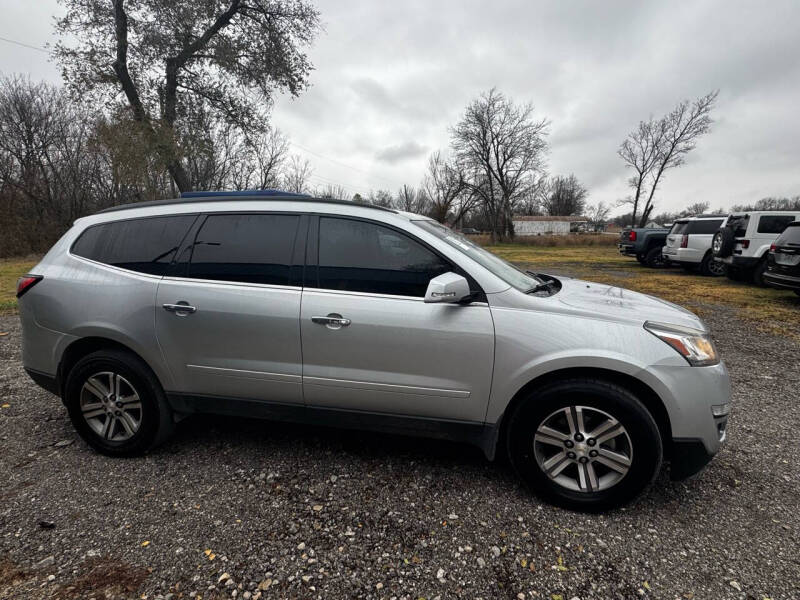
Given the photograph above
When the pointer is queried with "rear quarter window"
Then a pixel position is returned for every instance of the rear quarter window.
(704, 227)
(145, 245)
(679, 228)
(774, 223)
(790, 236)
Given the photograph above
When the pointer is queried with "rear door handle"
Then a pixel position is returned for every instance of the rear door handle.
(332, 321)
(181, 309)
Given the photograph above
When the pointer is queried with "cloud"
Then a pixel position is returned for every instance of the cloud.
(400, 152)
(391, 78)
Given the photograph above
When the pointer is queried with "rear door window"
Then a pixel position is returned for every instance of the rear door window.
(247, 248)
(774, 223)
(359, 256)
(145, 245)
(705, 226)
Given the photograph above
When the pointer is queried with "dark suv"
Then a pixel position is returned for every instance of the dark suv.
(783, 262)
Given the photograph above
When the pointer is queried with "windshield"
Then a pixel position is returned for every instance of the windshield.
(504, 270)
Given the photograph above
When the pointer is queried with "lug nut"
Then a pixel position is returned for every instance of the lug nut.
(578, 437)
(571, 455)
(584, 460)
(569, 443)
(593, 453)
(591, 441)
(118, 413)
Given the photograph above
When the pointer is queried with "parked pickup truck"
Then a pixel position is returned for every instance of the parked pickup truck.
(645, 243)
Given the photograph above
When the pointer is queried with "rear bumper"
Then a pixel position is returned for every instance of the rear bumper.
(626, 249)
(782, 281)
(682, 256)
(741, 262)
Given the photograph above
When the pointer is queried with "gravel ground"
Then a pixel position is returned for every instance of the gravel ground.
(232, 508)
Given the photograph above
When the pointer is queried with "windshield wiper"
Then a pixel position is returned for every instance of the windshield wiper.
(540, 288)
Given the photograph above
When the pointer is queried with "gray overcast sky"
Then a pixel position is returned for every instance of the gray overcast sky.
(391, 78)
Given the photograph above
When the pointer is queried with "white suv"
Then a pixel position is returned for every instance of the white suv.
(744, 239)
(689, 244)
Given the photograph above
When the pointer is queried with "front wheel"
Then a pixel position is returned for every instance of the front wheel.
(116, 403)
(584, 444)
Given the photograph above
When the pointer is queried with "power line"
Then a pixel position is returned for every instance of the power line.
(341, 164)
(24, 45)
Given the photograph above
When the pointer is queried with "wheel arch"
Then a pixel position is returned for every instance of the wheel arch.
(646, 394)
(86, 345)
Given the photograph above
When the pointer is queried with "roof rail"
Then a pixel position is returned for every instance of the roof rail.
(239, 196)
(245, 193)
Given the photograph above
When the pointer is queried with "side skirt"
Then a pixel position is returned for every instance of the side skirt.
(483, 435)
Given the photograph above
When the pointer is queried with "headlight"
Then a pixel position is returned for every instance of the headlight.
(693, 345)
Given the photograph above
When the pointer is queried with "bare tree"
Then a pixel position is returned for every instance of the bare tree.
(698, 208)
(269, 150)
(567, 196)
(168, 58)
(500, 148)
(662, 144)
(336, 192)
(412, 200)
(598, 214)
(298, 171)
(445, 188)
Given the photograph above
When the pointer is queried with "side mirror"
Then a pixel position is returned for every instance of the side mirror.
(448, 287)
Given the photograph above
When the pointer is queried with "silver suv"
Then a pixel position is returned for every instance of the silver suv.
(355, 316)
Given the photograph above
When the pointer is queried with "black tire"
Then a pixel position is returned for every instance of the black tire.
(722, 242)
(640, 258)
(797, 292)
(654, 259)
(711, 267)
(646, 445)
(758, 273)
(155, 416)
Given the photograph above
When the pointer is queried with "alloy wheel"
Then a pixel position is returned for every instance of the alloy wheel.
(111, 406)
(583, 449)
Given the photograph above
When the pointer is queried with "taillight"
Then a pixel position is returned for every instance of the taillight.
(26, 282)
(772, 248)
(632, 236)
(745, 244)
(685, 241)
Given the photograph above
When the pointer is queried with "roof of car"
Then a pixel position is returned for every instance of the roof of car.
(239, 196)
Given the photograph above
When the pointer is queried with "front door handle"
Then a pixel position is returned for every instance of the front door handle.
(332, 321)
(181, 309)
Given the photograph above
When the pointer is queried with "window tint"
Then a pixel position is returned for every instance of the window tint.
(790, 235)
(364, 257)
(679, 227)
(145, 245)
(774, 223)
(246, 248)
(705, 226)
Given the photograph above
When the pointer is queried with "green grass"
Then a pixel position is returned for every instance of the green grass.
(772, 310)
(12, 269)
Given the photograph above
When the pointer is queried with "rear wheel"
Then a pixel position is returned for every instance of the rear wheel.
(711, 267)
(640, 258)
(116, 403)
(654, 259)
(584, 444)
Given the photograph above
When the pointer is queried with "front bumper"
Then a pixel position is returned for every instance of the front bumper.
(697, 400)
